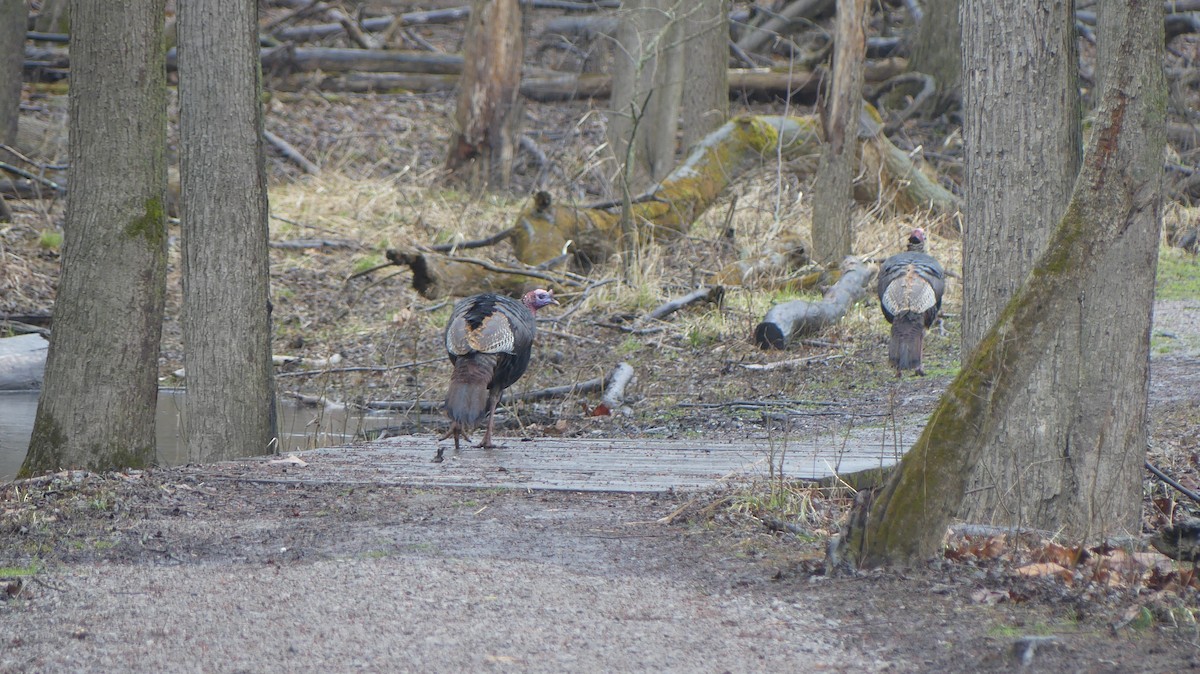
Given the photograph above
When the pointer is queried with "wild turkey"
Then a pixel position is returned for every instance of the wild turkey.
(488, 339)
(910, 294)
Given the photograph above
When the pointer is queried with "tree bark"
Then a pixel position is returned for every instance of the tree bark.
(647, 82)
(705, 99)
(229, 409)
(13, 15)
(97, 405)
(1013, 212)
(833, 195)
(1021, 163)
(489, 95)
(937, 52)
(1064, 315)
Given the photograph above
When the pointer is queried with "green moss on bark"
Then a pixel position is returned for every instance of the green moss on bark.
(151, 225)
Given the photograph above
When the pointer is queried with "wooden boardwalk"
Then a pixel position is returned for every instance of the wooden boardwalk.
(588, 464)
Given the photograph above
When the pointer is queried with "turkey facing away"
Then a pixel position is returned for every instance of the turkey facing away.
(910, 294)
(488, 339)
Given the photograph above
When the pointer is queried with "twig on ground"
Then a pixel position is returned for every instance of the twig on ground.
(291, 153)
(707, 294)
(1167, 479)
(790, 362)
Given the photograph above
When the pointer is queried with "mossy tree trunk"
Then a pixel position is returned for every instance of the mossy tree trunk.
(101, 383)
(1022, 159)
(1085, 307)
(833, 195)
(229, 409)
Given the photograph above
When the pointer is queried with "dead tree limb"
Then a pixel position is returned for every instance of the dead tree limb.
(291, 153)
(784, 322)
(713, 294)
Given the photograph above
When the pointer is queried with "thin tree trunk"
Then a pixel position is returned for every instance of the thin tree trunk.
(489, 94)
(704, 105)
(647, 82)
(833, 201)
(13, 15)
(229, 408)
(1091, 292)
(1021, 163)
(937, 52)
(97, 405)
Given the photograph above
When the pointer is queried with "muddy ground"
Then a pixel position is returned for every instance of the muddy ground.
(151, 571)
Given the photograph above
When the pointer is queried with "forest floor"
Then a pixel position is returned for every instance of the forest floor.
(148, 571)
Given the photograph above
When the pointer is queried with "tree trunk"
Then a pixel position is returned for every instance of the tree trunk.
(229, 409)
(1011, 213)
(489, 94)
(1063, 315)
(13, 15)
(1022, 159)
(101, 383)
(833, 194)
(647, 82)
(705, 100)
(937, 52)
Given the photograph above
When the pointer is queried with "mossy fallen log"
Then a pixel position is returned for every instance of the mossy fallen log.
(789, 320)
(544, 230)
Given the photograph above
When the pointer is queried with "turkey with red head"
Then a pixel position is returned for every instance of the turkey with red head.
(489, 339)
(910, 294)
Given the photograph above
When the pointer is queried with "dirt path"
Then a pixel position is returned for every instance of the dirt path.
(165, 572)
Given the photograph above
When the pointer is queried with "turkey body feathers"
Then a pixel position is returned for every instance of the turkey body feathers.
(910, 294)
(489, 340)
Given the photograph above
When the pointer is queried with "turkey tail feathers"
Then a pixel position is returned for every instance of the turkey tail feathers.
(466, 400)
(904, 349)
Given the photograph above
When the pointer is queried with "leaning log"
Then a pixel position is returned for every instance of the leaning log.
(785, 322)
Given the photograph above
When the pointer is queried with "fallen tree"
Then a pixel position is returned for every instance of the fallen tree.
(545, 230)
(789, 320)
(546, 234)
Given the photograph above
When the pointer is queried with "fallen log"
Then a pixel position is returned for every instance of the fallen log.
(418, 76)
(787, 321)
(544, 230)
(378, 24)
